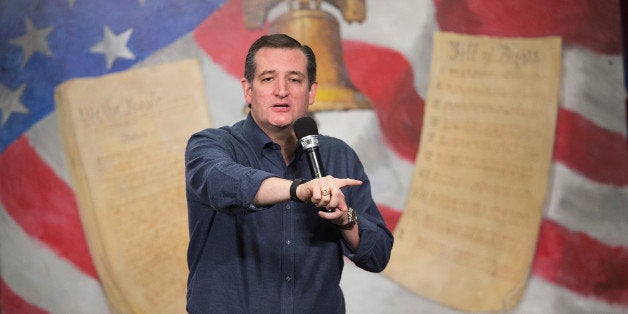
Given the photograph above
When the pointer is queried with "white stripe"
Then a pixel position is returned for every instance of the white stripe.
(544, 297)
(593, 86)
(586, 206)
(406, 27)
(366, 292)
(389, 175)
(41, 277)
(399, 26)
(46, 140)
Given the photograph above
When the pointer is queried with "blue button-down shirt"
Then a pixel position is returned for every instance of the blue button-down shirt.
(278, 259)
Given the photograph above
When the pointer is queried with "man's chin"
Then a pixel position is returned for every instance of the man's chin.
(283, 122)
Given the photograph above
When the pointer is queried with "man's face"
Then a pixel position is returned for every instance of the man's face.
(279, 93)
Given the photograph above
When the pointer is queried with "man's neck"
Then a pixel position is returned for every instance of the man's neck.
(287, 141)
(283, 136)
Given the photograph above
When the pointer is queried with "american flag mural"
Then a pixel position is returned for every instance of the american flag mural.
(581, 261)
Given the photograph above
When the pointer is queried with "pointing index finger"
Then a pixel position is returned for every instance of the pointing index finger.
(348, 182)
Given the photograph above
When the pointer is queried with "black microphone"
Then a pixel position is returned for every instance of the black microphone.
(306, 131)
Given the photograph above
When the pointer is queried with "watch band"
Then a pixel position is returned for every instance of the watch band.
(353, 218)
(293, 189)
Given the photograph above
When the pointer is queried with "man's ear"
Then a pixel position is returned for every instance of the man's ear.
(312, 93)
(246, 90)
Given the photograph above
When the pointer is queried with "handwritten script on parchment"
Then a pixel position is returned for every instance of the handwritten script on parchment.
(125, 137)
(468, 232)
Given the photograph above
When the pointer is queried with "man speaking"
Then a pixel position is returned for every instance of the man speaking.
(266, 237)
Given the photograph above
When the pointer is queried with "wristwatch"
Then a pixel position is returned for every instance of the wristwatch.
(293, 189)
(352, 219)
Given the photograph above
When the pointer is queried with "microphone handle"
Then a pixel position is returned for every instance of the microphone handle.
(314, 160)
(316, 167)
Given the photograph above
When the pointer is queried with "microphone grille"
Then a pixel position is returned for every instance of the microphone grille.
(305, 126)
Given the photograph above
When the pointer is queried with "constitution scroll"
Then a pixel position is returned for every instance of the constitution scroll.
(468, 233)
(125, 137)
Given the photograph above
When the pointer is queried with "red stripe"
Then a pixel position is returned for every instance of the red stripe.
(391, 216)
(591, 23)
(11, 302)
(595, 152)
(42, 204)
(581, 263)
(387, 78)
(227, 48)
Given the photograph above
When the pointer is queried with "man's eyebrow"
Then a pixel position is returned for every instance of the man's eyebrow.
(267, 72)
(272, 72)
(299, 73)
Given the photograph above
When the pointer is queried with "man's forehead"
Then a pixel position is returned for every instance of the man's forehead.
(270, 59)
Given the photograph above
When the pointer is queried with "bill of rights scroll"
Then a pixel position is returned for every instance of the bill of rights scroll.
(468, 232)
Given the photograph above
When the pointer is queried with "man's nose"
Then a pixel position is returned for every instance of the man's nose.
(281, 89)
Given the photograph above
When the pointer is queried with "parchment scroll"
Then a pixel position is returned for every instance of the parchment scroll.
(469, 229)
(125, 136)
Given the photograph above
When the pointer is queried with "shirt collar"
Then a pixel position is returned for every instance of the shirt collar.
(254, 134)
(258, 139)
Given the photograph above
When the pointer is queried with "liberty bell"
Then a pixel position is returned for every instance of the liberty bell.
(309, 24)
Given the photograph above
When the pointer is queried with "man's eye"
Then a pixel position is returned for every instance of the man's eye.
(267, 79)
(295, 80)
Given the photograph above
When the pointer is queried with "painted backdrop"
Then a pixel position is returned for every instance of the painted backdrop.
(581, 262)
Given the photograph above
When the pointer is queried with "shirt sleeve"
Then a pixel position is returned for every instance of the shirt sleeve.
(220, 173)
(376, 241)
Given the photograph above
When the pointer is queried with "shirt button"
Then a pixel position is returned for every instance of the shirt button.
(288, 278)
(288, 206)
(288, 242)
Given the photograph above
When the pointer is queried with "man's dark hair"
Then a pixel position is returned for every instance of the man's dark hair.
(279, 41)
